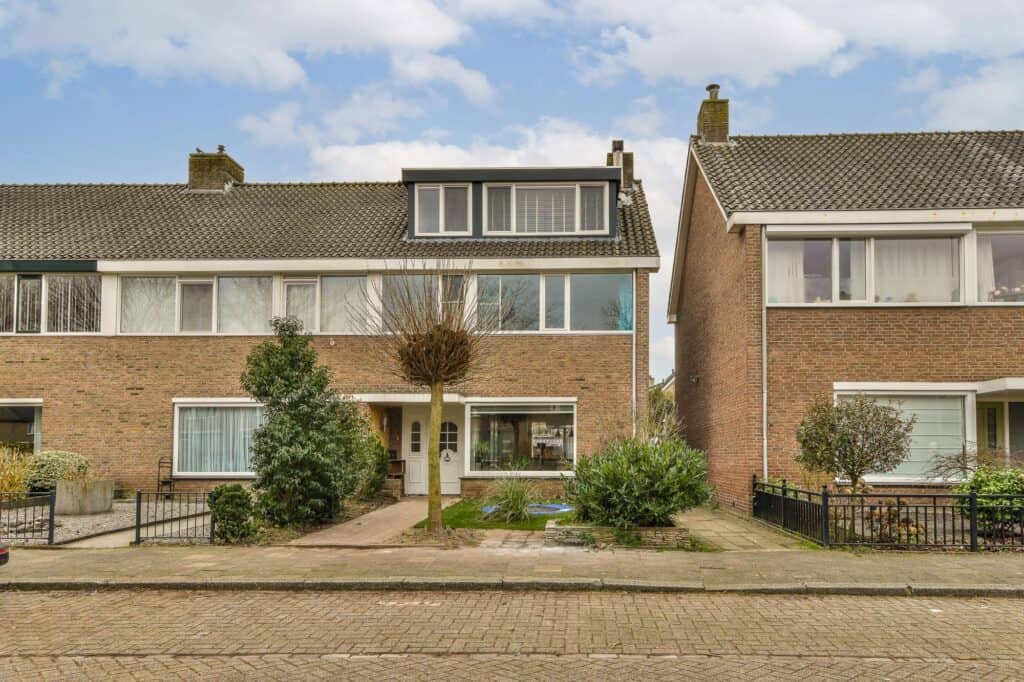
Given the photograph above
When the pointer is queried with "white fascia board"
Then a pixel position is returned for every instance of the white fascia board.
(321, 265)
(904, 386)
(950, 215)
(419, 398)
(21, 402)
(858, 229)
(1002, 385)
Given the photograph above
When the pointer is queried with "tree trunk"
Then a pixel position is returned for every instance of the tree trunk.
(435, 524)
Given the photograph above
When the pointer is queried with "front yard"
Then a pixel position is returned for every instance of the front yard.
(470, 514)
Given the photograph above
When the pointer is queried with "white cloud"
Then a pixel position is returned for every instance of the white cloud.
(279, 127)
(991, 99)
(552, 141)
(249, 42)
(924, 80)
(62, 72)
(644, 119)
(421, 68)
(511, 11)
(372, 110)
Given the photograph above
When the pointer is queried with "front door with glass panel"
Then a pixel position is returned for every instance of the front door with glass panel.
(416, 428)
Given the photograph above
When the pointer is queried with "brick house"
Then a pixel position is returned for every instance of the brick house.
(887, 264)
(127, 311)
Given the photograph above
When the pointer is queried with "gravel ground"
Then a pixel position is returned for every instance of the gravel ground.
(121, 515)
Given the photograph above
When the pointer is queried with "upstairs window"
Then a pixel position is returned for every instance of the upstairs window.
(442, 209)
(914, 270)
(555, 209)
(56, 304)
(1001, 268)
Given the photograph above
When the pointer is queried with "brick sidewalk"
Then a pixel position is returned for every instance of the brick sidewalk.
(829, 571)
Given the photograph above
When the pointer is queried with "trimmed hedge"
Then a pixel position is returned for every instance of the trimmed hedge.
(231, 510)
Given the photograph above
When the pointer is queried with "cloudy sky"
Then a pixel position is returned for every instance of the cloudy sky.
(121, 90)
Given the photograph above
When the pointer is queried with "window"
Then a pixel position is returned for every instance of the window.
(940, 429)
(442, 209)
(20, 426)
(1001, 268)
(244, 304)
(300, 303)
(215, 440)
(72, 303)
(554, 301)
(912, 270)
(453, 296)
(535, 438)
(508, 302)
(546, 209)
(499, 209)
(853, 269)
(449, 437)
(342, 304)
(398, 291)
(601, 302)
(799, 271)
(196, 306)
(30, 304)
(7, 287)
(147, 304)
(415, 437)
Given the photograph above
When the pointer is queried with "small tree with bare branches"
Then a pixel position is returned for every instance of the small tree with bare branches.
(431, 335)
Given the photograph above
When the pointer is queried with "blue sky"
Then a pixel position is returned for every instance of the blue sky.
(121, 91)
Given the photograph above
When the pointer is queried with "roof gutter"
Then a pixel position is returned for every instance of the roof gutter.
(947, 215)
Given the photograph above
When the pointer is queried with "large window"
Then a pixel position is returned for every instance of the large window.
(509, 302)
(300, 302)
(1001, 267)
(601, 302)
(535, 438)
(57, 303)
(442, 209)
(546, 209)
(147, 305)
(244, 304)
(836, 270)
(342, 304)
(215, 440)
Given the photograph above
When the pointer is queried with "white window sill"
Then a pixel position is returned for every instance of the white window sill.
(211, 476)
(518, 474)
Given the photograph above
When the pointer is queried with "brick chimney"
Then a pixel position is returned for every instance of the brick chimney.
(623, 159)
(713, 117)
(213, 171)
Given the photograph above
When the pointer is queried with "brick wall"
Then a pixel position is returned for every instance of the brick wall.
(718, 342)
(109, 398)
(808, 349)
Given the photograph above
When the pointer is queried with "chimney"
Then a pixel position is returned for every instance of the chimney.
(713, 117)
(213, 171)
(623, 159)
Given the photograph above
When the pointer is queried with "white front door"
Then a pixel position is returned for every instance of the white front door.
(415, 436)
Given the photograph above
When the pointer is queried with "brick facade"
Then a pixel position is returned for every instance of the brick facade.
(110, 397)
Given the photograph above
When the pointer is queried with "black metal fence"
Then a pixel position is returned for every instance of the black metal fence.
(919, 520)
(27, 517)
(173, 517)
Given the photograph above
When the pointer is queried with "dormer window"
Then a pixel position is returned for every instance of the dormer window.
(557, 209)
(442, 210)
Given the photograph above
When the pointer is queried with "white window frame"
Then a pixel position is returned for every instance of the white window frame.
(967, 391)
(212, 281)
(442, 187)
(973, 262)
(178, 403)
(37, 424)
(577, 231)
(968, 280)
(44, 292)
(281, 307)
(467, 437)
(177, 303)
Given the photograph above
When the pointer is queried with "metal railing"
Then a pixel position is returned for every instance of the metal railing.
(173, 517)
(27, 517)
(917, 520)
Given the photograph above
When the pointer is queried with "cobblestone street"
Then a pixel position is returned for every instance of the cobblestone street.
(503, 635)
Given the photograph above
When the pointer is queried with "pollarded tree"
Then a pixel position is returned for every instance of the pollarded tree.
(854, 436)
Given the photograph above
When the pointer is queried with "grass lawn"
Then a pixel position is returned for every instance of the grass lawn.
(469, 514)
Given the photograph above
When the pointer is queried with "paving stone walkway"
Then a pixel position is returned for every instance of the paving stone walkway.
(467, 635)
(731, 532)
(379, 527)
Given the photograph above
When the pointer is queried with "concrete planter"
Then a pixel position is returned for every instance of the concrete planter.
(77, 498)
(670, 537)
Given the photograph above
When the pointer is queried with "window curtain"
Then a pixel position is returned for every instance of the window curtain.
(6, 303)
(986, 269)
(499, 209)
(592, 208)
(784, 272)
(300, 303)
(853, 285)
(342, 304)
(73, 303)
(939, 430)
(147, 304)
(244, 304)
(216, 439)
(545, 209)
(912, 270)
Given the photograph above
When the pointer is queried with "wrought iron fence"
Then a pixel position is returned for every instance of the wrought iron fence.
(919, 520)
(173, 517)
(27, 517)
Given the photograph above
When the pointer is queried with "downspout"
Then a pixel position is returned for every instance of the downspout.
(635, 324)
(764, 362)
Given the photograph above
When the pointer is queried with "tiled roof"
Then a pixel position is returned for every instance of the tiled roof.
(880, 171)
(254, 220)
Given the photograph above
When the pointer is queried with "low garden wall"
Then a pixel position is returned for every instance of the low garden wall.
(547, 488)
(670, 537)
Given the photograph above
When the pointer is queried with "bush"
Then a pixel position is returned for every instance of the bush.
(996, 515)
(511, 498)
(635, 483)
(57, 465)
(371, 463)
(231, 513)
(15, 467)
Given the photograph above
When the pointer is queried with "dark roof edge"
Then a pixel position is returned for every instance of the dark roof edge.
(59, 265)
(560, 174)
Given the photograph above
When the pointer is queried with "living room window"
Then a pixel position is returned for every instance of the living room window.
(213, 439)
(522, 438)
(1001, 267)
(442, 209)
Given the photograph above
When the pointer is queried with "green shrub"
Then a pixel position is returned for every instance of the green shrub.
(634, 483)
(995, 515)
(57, 465)
(231, 512)
(371, 463)
(511, 498)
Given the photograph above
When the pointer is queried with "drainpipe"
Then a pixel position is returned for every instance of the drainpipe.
(764, 362)
(635, 325)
